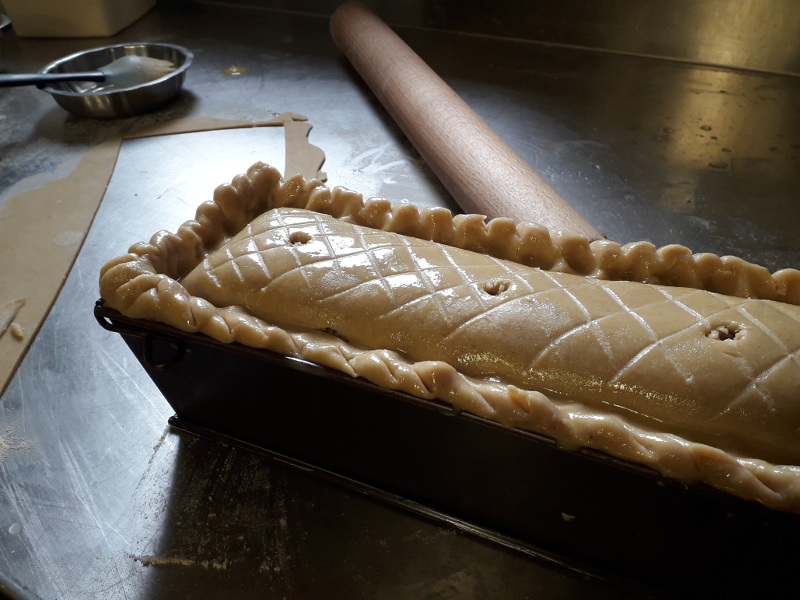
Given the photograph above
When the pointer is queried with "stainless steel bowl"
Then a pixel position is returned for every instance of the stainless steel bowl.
(82, 98)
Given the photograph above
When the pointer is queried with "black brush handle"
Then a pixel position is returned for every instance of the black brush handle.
(18, 79)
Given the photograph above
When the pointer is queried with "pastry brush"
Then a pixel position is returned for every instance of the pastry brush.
(128, 71)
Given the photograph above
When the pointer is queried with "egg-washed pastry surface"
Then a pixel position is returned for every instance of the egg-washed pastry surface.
(699, 385)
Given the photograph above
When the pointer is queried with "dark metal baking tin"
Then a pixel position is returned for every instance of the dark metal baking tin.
(582, 509)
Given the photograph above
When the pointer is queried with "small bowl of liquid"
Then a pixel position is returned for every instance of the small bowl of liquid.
(100, 100)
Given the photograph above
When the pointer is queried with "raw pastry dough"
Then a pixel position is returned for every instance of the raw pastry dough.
(708, 366)
(46, 232)
(698, 385)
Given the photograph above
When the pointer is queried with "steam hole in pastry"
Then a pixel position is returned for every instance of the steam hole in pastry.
(299, 237)
(332, 331)
(724, 332)
(496, 287)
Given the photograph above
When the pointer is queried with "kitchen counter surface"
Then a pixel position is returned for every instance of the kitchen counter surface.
(101, 498)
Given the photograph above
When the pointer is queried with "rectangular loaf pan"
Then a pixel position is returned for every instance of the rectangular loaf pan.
(582, 508)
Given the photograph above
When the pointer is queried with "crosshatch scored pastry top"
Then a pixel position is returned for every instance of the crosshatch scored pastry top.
(509, 321)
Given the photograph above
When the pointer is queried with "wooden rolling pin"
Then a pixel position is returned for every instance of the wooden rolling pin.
(483, 174)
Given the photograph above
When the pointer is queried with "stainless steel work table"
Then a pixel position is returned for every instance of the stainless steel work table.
(100, 498)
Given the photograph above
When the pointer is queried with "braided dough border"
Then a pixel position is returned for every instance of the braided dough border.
(144, 283)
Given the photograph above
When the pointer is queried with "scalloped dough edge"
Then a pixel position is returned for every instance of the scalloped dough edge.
(144, 283)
